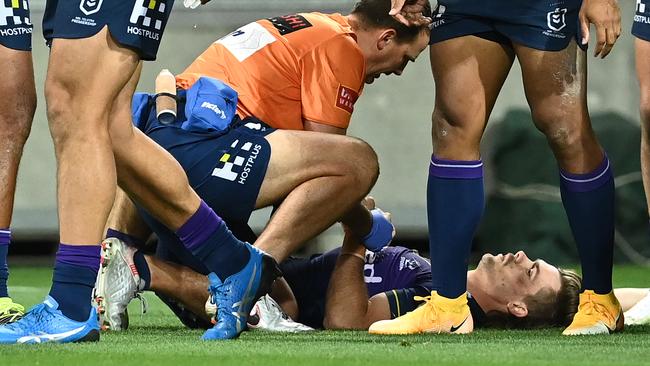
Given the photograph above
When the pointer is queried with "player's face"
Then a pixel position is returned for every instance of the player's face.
(396, 57)
(513, 277)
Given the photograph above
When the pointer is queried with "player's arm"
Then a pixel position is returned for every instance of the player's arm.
(605, 15)
(347, 305)
(628, 297)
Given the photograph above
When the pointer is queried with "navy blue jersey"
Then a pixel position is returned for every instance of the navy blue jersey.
(641, 26)
(15, 25)
(136, 24)
(399, 272)
(547, 25)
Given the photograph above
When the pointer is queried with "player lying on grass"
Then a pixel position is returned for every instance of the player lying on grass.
(306, 74)
(350, 288)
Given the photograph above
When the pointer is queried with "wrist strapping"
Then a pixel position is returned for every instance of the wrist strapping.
(381, 232)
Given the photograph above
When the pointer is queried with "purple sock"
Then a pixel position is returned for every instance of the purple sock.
(589, 204)
(5, 239)
(455, 203)
(209, 239)
(75, 272)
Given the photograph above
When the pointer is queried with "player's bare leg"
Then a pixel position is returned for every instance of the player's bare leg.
(469, 73)
(313, 189)
(555, 85)
(17, 107)
(84, 78)
(642, 48)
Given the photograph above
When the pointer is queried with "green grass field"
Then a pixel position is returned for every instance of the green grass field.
(157, 338)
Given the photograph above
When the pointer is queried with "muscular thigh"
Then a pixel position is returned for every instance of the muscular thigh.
(91, 70)
(18, 95)
(468, 73)
(555, 85)
(299, 156)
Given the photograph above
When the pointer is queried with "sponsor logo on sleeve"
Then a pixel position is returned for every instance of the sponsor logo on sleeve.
(345, 98)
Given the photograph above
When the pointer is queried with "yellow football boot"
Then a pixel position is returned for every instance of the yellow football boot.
(438, 314)
(597, 314)
(10, 311)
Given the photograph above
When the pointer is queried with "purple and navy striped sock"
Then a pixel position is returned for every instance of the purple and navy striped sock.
(455, 202)
(589, 204)
(75, 272)
(5, 240)
(209, 239)
(129, 240)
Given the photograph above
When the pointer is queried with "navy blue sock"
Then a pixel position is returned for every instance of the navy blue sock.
(129, 240)
(455, 204)
(143, 269)
(75, 272)
(209, 239)
(589, 204)
(5, 239)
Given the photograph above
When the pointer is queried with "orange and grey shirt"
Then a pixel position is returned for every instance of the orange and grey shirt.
(288, 69)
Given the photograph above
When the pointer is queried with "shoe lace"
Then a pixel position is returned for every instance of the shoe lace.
(428, 302)
(219, 295)
(591, 307)
(37, 315)
(144, 306)
(13, 308)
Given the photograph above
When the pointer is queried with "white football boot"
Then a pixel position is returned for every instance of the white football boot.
(267, 315)
(118, 282)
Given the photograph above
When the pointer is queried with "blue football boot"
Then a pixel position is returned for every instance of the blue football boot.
(235, 296)
(45, 323)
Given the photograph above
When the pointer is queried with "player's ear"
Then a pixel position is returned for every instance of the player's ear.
(518, 309)
(386, 38)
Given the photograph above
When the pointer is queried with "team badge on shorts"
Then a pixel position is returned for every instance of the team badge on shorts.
(556, 22)
(89, 7)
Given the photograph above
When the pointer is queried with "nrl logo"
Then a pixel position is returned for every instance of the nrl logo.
(89, 7)
(556, 20)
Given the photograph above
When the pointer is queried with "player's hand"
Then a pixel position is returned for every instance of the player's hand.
(605, 15)
(409, 12)
(193, 4)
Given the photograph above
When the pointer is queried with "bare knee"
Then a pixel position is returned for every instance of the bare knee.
(362, 164)
(457, 137)
(16, 121)
(562, 131)
(71, 118)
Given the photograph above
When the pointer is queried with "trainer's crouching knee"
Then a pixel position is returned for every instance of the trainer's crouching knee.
(364, 164)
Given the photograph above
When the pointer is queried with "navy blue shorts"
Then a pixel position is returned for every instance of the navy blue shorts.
(15, 25)
(136, 24)
(226, 169)
(547, 25)
(641, 26)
